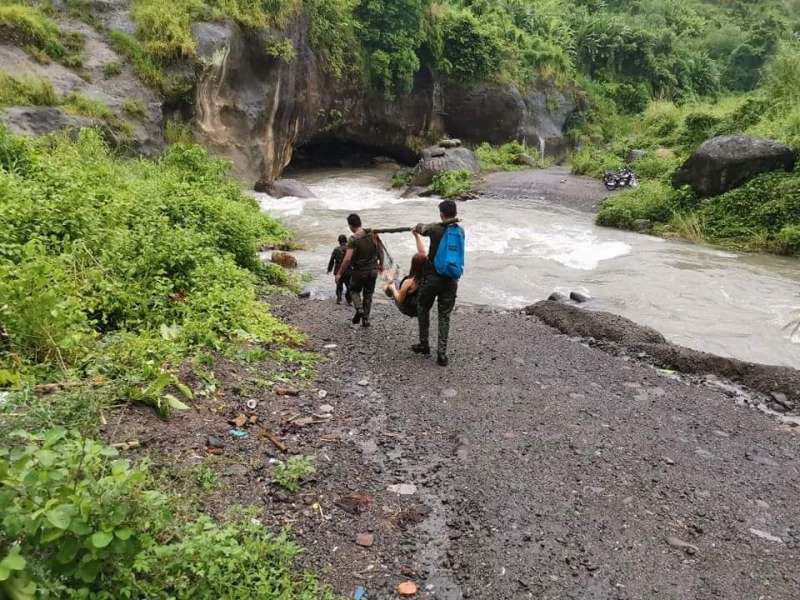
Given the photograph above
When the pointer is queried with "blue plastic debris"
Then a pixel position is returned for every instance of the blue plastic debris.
(238, 433)
(360, 593)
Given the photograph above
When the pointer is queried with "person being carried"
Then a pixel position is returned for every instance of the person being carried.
(405, 292)
(366, 258)
(443, 269)
(337, 256)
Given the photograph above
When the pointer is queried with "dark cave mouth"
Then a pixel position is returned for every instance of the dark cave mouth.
(337, 152)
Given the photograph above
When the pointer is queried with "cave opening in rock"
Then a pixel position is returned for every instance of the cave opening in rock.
(332, 151)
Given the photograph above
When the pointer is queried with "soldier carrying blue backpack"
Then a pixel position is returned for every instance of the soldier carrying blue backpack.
(443, 270)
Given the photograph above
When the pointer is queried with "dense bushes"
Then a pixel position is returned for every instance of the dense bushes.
(78, 522)
(98, 255)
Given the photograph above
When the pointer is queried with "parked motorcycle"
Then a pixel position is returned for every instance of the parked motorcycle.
(621, 178)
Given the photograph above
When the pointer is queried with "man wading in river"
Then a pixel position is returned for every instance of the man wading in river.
(443, 269)
(365, 257)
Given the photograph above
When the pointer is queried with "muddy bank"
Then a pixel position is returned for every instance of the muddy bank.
(781, 385)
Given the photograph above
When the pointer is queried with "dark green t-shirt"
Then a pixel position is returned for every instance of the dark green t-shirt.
(365, 252)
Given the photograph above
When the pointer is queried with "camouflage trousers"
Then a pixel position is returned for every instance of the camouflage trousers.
(444, 291)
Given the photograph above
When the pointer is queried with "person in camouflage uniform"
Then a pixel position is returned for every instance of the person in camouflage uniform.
(436, 287)
(365, 256)
(337, 256)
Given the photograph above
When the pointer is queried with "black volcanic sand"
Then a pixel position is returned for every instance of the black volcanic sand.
(543, 467)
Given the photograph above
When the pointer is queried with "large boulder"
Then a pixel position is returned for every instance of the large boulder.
(282, 188)
(501, 113)
(723, 163)
(436, 159)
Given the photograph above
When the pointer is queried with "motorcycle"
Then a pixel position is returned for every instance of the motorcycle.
(624, 177)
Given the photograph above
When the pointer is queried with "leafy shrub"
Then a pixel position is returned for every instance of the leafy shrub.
(79, 523)
(72, 510)
(500, 158)
(289, 474)
(651, 201)
(471, 50)
(629, 98)
(698, 127)
(97, 254)
(145, 67)
(661, 119)
(451, 184)
(594, 161)
(134, 108)
(788, 239)
(652, 166)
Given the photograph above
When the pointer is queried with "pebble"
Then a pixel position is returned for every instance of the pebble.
(330, 346)
(762, 504)
(404, 489)
(668, 460)
(326, 408)
(364, 382)
(449, 393)
(322, 394)
(214, 442)
(365, 539)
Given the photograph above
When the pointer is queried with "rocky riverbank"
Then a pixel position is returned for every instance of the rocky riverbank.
(538, 466)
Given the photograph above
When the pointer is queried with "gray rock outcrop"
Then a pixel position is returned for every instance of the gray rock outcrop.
(726, 162)
(436, 159)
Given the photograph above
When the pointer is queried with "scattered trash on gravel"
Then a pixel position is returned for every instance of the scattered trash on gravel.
(238, 433)
(407, 588)
(404, 489)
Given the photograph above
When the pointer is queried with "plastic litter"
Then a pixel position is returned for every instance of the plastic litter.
(238, 433)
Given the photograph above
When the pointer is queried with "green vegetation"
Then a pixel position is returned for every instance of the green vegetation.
(78, 522)
(26, 25)
(762, 215)
(289, 474)
(508, 157)
(451, 184)
(177, 132)
(114, 273)
(39, 92)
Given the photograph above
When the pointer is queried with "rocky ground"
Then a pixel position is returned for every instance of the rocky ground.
(557, 184)
(540, 467)
(535, 466)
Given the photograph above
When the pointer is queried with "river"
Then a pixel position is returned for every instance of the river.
(519, 251)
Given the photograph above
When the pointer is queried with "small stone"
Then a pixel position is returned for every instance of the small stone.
(404, 489)
(449, 393)
(330, 346)
(321, 394)
(762, 504)
(579, 297)
(365, 539)
(628, 500)
(668, 460)
(214, 442)
(286, 391)
(721, 433)
(364, 382)
(407, 588)
(326, 408)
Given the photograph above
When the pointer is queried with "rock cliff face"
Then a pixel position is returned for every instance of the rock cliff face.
(256, 109)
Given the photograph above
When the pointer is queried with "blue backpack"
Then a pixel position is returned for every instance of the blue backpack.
(449, 259)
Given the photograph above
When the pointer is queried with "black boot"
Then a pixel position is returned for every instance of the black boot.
(421, 349)
(357, 317)
(365, 321)
(442, 360)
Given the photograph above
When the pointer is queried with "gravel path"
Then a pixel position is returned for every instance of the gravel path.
(557, 184)
(542, 468)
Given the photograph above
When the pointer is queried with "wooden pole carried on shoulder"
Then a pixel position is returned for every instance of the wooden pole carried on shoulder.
(407, 229)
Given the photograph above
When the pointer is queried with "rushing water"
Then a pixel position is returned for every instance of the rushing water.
(519, 251)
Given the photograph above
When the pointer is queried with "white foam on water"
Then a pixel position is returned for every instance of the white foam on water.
(289, 206)
(576, 248)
